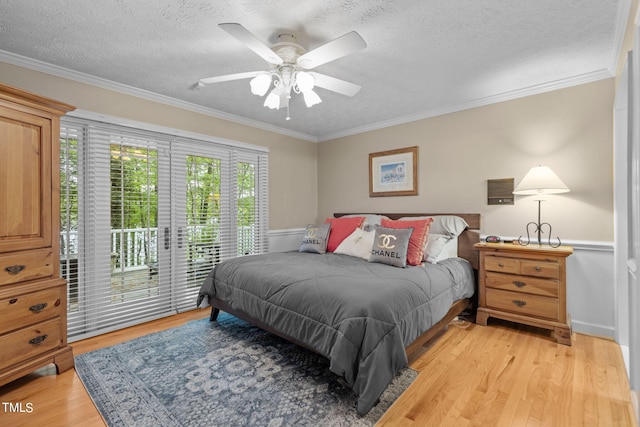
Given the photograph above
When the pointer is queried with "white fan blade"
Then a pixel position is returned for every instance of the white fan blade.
(342, 46)
(335, 85)
(244, 36)
(229, 77)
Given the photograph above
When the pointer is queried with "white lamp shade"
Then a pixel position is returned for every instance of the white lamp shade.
(311, 98)
(273, 100)
(305, 81)
(260, 84)
(540, 180)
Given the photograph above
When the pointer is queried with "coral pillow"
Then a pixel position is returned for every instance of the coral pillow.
(341, 228)
(418, 237)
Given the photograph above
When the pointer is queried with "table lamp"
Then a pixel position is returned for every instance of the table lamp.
(540, 180)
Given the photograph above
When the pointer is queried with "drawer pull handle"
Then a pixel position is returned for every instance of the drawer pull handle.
(538, 268)
(519, 303)
(15, 269)
(13, 300)
(38, 307)
(38, 340)
(519, 283)
(500, 264)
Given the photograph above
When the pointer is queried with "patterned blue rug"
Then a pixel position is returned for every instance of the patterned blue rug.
(224, 373)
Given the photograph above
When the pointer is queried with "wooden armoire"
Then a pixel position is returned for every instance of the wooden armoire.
(33, 297)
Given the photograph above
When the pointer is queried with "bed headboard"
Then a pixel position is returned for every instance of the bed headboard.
(466, 240)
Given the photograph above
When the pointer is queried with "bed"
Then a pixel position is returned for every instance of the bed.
(367, 318)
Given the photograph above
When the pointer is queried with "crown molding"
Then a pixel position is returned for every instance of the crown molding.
(36, 65)
(55, 70)
(480, 102)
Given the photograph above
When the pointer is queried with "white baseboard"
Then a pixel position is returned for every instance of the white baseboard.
(624, 349)
(592, 329)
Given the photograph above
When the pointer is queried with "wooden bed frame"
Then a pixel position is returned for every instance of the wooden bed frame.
(466, 240)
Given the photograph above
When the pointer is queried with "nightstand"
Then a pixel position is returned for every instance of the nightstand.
(525, 284)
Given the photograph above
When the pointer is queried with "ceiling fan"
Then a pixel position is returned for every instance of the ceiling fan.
(288, 64)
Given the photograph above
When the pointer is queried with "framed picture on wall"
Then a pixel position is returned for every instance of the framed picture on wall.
(394, 172)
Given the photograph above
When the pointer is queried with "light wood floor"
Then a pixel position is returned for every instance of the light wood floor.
(501, 374)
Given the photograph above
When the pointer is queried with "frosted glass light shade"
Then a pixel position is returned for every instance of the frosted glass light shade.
(311, 98)
(305, 81)
(273, 100)
(540, 180)
(260, 84)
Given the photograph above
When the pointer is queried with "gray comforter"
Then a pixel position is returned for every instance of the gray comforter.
(359, 315)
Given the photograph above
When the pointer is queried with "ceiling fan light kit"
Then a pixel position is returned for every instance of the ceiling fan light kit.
(288, 61)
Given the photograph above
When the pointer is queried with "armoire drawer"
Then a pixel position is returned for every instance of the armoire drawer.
(26, 265)
(22, 310)
(29, 342)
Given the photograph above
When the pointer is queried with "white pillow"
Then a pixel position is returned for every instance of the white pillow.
(433, 247)
(440, 247)
(450, 225)
(450, 249)
(357, 244)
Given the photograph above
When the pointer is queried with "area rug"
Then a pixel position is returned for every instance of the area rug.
(224, 373)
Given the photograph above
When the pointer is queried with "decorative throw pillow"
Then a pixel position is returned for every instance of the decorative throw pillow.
(390, 246)
(340, 229)
(315, 238)
(357, 244)
(418, 238)
(435, 245)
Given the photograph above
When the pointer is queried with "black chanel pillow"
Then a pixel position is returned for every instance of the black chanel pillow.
(390, 246)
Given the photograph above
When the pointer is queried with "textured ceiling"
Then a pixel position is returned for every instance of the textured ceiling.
(424, 57)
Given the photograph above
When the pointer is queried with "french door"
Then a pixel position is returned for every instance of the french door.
(201, 215)
(115, 206)
(146, 216)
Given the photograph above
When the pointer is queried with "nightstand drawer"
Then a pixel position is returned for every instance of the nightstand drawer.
(19, 311)
(501, 264)
(548, 269)
(525, 304)
(29, 342)
(542, 268)
(523, 284)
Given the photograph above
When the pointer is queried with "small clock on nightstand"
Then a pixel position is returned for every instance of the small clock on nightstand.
(525, 284)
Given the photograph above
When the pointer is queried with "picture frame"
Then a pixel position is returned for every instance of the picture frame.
(394, 173)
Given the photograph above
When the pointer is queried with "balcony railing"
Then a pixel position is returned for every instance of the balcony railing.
(138, 247)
